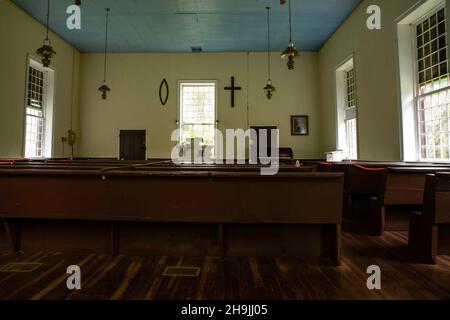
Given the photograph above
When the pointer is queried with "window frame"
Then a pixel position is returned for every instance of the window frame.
(179, 107)
(35, 65)
(406, 75)
(47, 109)
(417, 95)
(352, 110)
(342, 108)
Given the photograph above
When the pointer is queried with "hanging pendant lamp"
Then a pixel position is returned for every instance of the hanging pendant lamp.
(104, 89)
(46, 52)
(269, 88)
(290, 52)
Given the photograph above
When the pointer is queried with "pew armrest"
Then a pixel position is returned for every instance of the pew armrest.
(422, 239)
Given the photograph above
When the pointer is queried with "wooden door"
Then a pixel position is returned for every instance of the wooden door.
(133, 145)
(266, 149)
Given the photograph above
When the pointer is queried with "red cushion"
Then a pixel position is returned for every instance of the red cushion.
(368, 169)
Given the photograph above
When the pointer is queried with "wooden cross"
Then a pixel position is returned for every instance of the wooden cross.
(232, 88)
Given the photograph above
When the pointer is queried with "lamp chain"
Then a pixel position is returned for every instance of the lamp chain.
(268, 39)
(48, 17)
(106, 44)
(290, 23)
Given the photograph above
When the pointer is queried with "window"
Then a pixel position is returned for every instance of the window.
(433, 87)
(346, 110)
(198, 111)
(34, 123)
(38, 111)
(350, 116)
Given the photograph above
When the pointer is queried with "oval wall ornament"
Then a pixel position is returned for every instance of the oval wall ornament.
(163, 97)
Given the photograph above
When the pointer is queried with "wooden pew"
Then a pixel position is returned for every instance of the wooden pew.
(429, 231)
(153, 167)
(360, 185)
(172, 212)
(403, 193)
(390, 164)
(286, 156)
(323, 166)
(379, 197)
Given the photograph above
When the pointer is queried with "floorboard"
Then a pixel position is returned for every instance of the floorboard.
(141, 277)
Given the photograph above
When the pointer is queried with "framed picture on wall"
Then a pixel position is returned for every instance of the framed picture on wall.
(299, 126)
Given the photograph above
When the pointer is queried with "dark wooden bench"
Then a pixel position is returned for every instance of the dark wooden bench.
(361, 184)
(172, 212)
(163, 165)
(403, 192)
(378, 197)
(286, 156)
(197, 168)
(429, 231)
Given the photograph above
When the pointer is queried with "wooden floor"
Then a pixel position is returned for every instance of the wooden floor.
(123, 277)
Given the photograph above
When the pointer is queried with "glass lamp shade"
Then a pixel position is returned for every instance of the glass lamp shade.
(46, 53)
(269, 89)
(290, 53)
(104, 89)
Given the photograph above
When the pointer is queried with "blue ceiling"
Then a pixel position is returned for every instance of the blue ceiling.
(179, 25)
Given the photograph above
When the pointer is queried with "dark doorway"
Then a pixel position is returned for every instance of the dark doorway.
(133, 145)
(266, 149)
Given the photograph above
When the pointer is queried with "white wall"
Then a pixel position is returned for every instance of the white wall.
(375, 57)
(134, 103)
(135, 78)
(21, 35)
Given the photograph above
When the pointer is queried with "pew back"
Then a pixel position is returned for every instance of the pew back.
(442, 198)
(405, 185)
(217, 197)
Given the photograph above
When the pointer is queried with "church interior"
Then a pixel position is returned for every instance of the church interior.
(224, 150)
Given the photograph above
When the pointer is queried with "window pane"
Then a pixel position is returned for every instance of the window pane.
(433, 125)
(198, 108)
(34, 137)
(433, 109)
(432, 52)
(351, 136)
(351, 86)
(34, 121)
